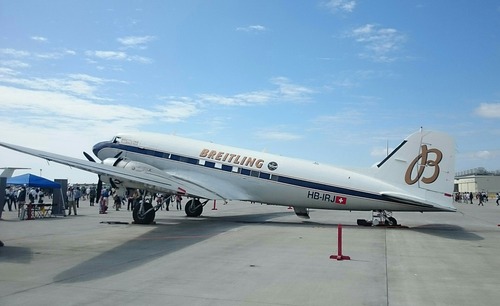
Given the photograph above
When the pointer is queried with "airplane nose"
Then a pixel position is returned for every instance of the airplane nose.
(99, 146)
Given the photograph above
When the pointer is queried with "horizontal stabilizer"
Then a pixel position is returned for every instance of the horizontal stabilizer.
(413, 200)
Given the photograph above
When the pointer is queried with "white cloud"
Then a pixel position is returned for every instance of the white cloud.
(118, 56)
(285, 91)
(59, 111)
(39, 38)
(252, 28)
(70, 52)
(14, 53)
(482, 155)
(277, 135)
(340, 5)
(52, 55)
(488, 110)
(290, 91)
(15, 64)
(135, 41)
(79, 85)
(109, 55)
(341, 118)
(177, 109)
(381, 44)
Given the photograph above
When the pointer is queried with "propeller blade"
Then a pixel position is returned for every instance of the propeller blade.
(118, 155)
(117, 161)
(90, 158)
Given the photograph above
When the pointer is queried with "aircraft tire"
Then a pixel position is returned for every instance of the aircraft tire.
(145, 219)
(193, 208)
(392, 221)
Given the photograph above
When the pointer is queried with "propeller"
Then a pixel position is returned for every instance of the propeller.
(99, 182)
(87, 155)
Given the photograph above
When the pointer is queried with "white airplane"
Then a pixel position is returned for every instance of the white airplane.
(417, 176)
(9, 171)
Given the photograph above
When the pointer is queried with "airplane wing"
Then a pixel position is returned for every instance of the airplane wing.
(151, 179)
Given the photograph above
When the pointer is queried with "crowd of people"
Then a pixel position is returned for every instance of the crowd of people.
(109, 196)
(480, 197)
(15, 196)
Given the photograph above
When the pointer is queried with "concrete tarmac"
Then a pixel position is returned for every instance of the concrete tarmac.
(251, 254)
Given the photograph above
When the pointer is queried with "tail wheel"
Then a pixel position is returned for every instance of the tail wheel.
(143, 218)
(193, 208)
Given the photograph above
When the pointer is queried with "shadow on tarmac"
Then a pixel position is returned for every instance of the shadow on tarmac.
(166, 238)
(16, 254)
(448, 231)
(162, 240)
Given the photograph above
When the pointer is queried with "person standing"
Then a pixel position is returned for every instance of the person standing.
(8, 199)
(136, 196)
(178, 200)
(21, 201)
(481, 199)
(78, 195)
(117, 201)
(71, 200)
(103, 202)
(40, 195)
(92, 196)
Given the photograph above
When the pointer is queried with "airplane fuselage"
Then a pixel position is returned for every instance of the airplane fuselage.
(256, 176)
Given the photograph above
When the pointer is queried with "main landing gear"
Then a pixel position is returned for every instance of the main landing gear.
(379, 218)
(144, 212)
(194, 207)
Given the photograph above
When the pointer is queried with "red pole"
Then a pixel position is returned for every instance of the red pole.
(215, 208)
(339, 255)
(339, 239)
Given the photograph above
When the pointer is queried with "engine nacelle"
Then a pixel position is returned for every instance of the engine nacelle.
(132, 165)
(140, 168)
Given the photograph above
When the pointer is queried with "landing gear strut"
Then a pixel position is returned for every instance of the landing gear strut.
(379, 218)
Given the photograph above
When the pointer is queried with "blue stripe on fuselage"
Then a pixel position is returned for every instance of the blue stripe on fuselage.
(243, 171)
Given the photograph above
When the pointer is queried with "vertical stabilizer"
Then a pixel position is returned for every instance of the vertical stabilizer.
(423, 167)
(9, 171)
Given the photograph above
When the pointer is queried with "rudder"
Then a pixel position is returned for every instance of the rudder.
(423, 166)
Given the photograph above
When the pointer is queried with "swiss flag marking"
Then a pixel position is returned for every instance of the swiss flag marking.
(340, 200)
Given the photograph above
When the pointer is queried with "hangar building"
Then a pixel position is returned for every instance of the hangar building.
(478, 180)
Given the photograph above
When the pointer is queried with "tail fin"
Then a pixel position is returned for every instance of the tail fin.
(423, 168)
(9, 171)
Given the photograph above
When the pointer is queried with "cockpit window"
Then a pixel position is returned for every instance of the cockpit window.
(116, 139)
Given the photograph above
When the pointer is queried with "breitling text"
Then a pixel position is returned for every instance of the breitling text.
(232, 158)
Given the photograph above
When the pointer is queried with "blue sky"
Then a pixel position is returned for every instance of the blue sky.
(331, 81)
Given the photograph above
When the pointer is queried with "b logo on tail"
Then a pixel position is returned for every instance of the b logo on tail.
(425, 161)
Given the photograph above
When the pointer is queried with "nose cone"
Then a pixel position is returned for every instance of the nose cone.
(99, 146)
